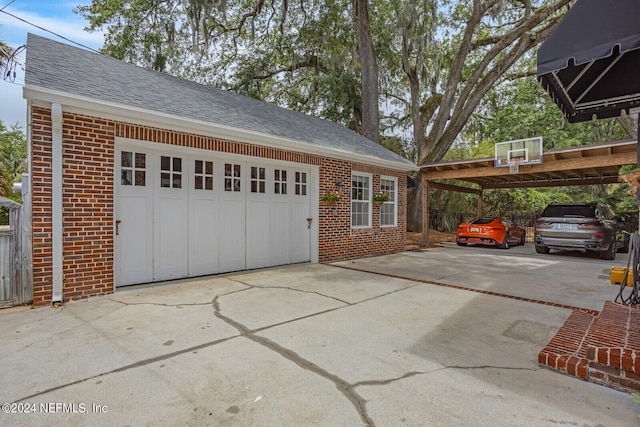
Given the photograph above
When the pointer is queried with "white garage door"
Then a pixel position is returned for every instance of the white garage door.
(190, 215)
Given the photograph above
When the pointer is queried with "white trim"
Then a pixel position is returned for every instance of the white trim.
(369, 200)
(313, 185)
(127, 114)
(395, 201)
(56, 202)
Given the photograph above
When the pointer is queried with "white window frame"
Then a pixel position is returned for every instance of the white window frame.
(393, 202)
(366, 201)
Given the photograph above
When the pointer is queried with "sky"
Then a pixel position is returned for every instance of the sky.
(55, 16)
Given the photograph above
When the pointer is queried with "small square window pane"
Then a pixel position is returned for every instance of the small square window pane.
(198, 166)
(165, 180)
(177, 164)
(254, 186)
(304, 190)
(262, 173)
(165, 163)
(125, 178)
(236, 171)
(125, 159)
(208, 183)
(276, 188)
(262, 187)
(254, 172)
(304, 178)
(284, 175)
(141, 160)
(227, 184)
(198, 182)
(209, 168)
(284, 188)
(177, 180)
(276, 174)
(236, 185)
(141, 180)
(227, 169)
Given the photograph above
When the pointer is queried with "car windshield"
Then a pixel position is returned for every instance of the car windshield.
(574, 211)
(486, 220)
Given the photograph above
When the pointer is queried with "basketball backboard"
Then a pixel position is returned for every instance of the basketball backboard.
(526, 151)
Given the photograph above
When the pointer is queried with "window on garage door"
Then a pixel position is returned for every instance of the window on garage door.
(203, 175)
(133, 168)
(301, 183)
(280, 181)
(258, 180)
(170, 172)
(232, 177)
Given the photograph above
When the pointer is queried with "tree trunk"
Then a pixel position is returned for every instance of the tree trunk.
(370, 95)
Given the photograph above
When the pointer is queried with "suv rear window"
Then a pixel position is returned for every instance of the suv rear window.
(484, 220)
(575, 211)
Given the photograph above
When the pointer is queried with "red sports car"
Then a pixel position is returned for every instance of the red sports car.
(490, 230)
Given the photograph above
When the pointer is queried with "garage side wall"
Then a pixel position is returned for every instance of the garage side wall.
(338, 240)
(88, 204)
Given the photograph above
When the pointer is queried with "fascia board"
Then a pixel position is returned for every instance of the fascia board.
(127, 114)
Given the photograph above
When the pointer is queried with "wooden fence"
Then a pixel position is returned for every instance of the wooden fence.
(16, 286)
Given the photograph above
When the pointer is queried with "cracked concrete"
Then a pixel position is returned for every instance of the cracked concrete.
(298, 345)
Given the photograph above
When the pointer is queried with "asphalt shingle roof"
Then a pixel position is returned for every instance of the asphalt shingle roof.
(56, 66)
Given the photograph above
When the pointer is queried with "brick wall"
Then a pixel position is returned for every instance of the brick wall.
(88, 205)
(338, 241)
(41, 205)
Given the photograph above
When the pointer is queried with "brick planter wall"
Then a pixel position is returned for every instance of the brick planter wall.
(602, 347)
(88, 205)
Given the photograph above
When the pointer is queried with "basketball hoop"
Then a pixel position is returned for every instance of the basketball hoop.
(514, 166)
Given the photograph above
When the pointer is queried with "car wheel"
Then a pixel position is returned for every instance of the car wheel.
(542, 249)
(505, 243)
(461, 244)
(609, 254)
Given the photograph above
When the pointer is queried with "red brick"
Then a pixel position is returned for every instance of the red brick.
(615, 357)
(582, 369)
(603, 355)
(88, 173)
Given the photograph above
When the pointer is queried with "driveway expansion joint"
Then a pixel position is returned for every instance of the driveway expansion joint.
(469, 289)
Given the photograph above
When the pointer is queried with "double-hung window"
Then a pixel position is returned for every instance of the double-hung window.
(389, 210)
(360, 200)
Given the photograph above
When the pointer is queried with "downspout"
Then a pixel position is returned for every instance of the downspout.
(56, 202)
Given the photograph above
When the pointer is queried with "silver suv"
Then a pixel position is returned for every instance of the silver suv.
(579, 227)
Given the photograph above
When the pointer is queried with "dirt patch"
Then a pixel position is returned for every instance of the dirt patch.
(414, 240)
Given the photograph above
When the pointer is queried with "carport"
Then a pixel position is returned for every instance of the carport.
(583, 165)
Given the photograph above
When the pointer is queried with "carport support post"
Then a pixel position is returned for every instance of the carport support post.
(480, 201)
(425, 210)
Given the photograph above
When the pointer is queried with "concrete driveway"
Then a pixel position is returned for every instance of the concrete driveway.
(316, 345)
